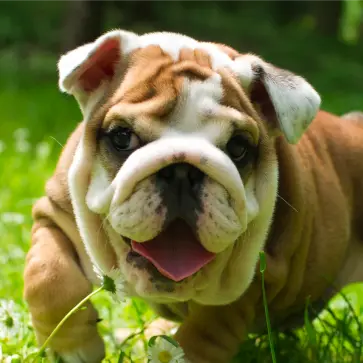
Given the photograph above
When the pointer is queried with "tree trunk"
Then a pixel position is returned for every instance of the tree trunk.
(83, 22)
(327, 15)
(137, 11)
(287, 12)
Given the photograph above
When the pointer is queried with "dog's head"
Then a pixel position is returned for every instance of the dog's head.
(175, 178)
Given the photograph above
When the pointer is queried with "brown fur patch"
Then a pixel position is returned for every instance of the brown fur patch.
(149, 82)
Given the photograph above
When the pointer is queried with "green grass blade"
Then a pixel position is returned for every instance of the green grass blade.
(268, 323)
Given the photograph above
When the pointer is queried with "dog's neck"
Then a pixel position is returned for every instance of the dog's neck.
(312, 211)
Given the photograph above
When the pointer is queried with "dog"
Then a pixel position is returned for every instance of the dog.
(191, 159)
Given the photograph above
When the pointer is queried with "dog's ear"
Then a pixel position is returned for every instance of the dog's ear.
(286, 101)
(86, 69)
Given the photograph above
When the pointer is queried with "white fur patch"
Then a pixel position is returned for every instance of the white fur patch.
(142, 216)
(252, 203)
(99, 183)
(198, 101)
(199, 113)
(295, 101)
(295, 104)
(173, 43)
(218, 224)
(89, 223)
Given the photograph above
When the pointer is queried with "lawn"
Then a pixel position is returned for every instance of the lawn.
(35, 122)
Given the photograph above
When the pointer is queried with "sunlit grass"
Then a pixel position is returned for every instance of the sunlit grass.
(35, 122)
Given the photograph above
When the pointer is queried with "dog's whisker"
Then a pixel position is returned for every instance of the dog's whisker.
(103, 223)
(291, 206)
(52, 137)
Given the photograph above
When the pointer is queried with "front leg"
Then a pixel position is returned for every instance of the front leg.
(213, 334)
(54, 284)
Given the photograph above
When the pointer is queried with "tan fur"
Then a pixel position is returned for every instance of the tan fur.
(55, 283)
(315, 235)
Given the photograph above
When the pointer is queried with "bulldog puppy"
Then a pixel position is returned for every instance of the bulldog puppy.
(189, 161)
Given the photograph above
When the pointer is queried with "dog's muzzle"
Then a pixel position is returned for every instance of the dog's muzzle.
(159, 154)
(179, 186)
(176, 178)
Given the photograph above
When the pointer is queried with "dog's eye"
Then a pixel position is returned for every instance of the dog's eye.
(124, 139)
(238, 148)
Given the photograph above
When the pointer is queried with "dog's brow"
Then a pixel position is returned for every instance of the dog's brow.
(248, 124)
(141, 124)
(239, 119)
(222, 112)
(114, 117)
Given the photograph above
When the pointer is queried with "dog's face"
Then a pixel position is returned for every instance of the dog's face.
(175, 178)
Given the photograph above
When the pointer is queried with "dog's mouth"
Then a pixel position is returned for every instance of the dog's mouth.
(176, 253)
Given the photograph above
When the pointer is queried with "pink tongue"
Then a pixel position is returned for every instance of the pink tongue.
(175, 252)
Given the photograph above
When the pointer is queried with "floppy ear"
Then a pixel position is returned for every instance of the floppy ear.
(90, 67)
(286, 101)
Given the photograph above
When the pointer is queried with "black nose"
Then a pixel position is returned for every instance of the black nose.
(181, 173)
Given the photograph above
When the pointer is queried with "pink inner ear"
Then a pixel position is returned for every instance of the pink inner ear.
(260, 96)
(101, 65)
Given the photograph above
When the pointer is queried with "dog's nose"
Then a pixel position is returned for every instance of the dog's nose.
(181, 172)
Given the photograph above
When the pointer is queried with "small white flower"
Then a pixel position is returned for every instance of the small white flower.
(12, 218)
(113, 281)
(9, 319)
(15, 358)
(43, 150)
(2, 148)
(22, 146)
(21, 134)
(165, 352)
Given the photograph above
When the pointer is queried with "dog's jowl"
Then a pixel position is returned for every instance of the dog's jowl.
(192, 158)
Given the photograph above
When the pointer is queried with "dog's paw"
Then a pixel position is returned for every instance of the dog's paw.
(91, 352)
(160, 326)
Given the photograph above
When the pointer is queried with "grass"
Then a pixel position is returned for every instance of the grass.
(35, 121)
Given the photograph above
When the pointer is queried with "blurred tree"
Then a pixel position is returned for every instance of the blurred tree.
(83, 22)
(140, 11)
(247, 25)
(287, 12)
(327, 15)
(351, 28)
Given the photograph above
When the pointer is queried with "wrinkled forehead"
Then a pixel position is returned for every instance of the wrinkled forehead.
(186, 86)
